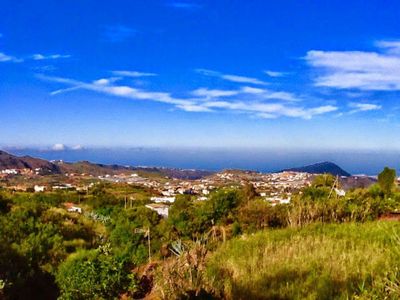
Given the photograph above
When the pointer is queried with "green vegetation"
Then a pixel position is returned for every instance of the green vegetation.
(234, 245)
(386, 180)
(94, 274)
(315, 262)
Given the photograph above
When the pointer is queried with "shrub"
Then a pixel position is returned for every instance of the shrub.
(94, 274)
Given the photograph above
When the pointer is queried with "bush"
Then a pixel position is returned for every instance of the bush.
(94, 274)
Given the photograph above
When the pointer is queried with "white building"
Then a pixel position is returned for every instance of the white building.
(39, 188)
(163, 199)
(161, 209)
(10, 171)
(75, 209)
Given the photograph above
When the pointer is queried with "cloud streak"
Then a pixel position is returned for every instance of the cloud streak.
(200, 100)
(134, 74)
(39, 56)
(232, 78)
(8, 58)
(362, 107)
(274, 73)
(362, 70)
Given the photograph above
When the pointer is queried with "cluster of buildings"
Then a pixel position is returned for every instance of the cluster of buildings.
(276, 188)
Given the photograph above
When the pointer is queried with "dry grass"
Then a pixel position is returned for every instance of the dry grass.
(316, 262)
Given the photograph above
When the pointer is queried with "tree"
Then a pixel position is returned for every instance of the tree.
(222, 203)
(386, 180)
(249, 191)
(254, 215)
(323, 180)
(94, 274)
(181, 215)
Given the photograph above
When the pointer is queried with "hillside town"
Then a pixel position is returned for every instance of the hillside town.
(273, 187)
(161, 191)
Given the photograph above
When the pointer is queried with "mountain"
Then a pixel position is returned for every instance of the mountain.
(321, 168)
(101, 169)
(9, 161)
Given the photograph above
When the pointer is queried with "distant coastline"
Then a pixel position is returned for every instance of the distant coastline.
(267, 160)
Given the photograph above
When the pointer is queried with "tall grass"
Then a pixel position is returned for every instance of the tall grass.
(335, 261)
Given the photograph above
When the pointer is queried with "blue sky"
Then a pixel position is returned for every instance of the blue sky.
(261, 74)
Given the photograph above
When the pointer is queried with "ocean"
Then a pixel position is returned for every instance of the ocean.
(263, 160)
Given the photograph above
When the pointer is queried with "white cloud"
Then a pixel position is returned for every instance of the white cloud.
(202, 103)
(121, 90)
(269, 94)
(8, 58)
(274, 73)
(266, 116)
(253, 90)
(360, 107)
(58, 147)
(39, 56)
(102, 81)
(193, 107)
(271, 110)
(232, 78)
(213, 93)
(77, 147)
(361, 70)
(243, 79)
(390, 46)
(256, 93)
(281, 96)
(106, 81)
(134, 74)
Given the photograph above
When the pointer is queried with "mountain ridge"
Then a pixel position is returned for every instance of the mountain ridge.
(10, 161)
(321, 168)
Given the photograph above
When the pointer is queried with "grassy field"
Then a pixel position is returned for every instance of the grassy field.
(338, 261)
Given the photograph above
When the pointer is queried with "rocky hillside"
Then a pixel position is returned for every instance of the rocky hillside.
(9, 161)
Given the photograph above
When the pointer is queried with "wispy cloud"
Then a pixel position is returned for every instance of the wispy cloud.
(361, 107)
(118, 33)
(134, 74)
(51, 56)
(271, 110)
(184, 5)
(8, 58)
(204, 100)
(105, 87)
(269, 94)
(251, 92)
(392, 46)
(363, 70)
(232, 78)
(77, 147)
(214, 93)
(106, 81)
(275, 73)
